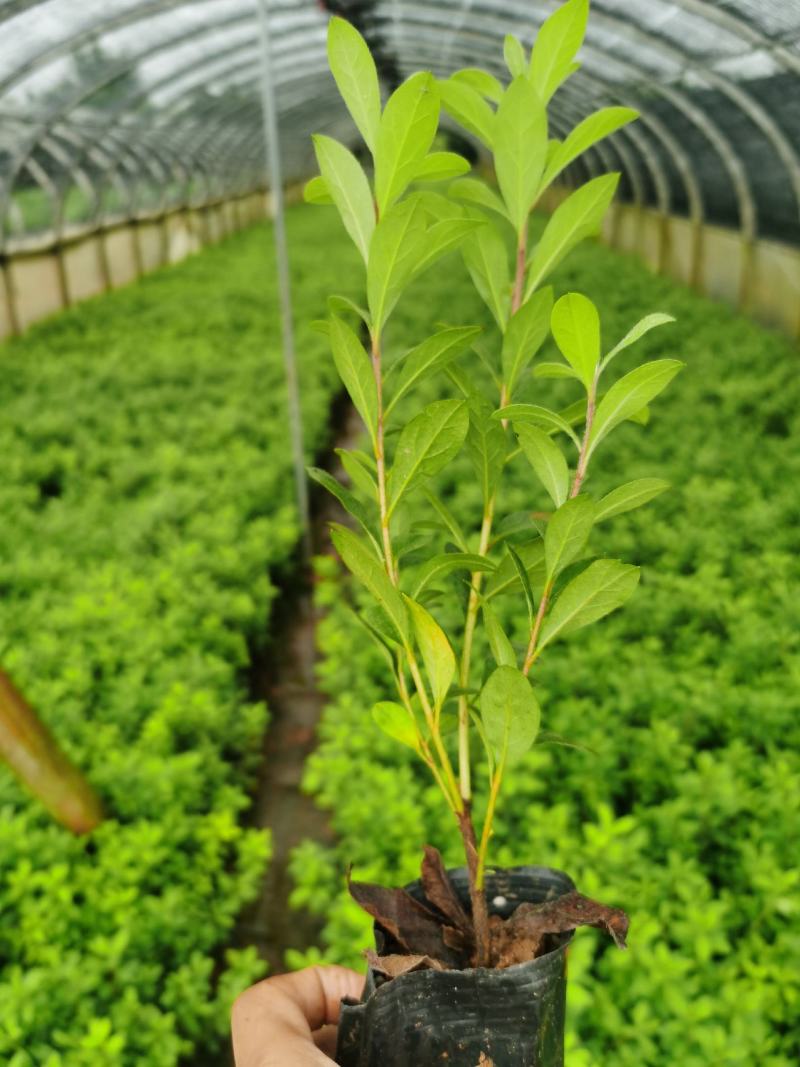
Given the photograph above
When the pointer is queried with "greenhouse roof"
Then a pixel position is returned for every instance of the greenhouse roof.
(120, 107)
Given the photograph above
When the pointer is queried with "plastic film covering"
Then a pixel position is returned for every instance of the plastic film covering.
(120, 109)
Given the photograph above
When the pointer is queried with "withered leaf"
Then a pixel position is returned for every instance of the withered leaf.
(521, 937)
(440, 892)
(413, 926)
(393, 966)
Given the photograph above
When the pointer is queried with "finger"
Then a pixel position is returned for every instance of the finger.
(325, 1040)
(317, 992)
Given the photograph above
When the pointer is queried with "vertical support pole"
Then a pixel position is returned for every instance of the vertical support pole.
(270, 117)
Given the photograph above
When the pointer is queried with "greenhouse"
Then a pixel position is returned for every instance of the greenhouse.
(400, 552)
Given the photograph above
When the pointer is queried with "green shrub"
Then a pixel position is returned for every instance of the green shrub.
(146, 492)
(686, 809)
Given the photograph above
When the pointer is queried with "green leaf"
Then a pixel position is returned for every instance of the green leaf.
(514, 55)
(441, 238)
(486, 445)
(354, 70)
(629, 395)
(437, 655)
(556, 45)
(427, 444)
(343, 305)
(406, 132)
(642, 327)
(547, 460)
(358, 471)
(441, 167)
(447, 518)
(355, 370)
(397, 722)
(567, 532)
(524, 581)
(468, 108)
(477, 192)
(604, 586)
(629, 496)
(481, 81)
(579, 216)
(438, 567)
(393, 257)
(348, 186)
(593, 129)
(520, 149)
(316, 191)
(348, 500)
(554, 370)
(527, 330)
(576, 329)
(363, 563)
(486, 258)
(505, 578)
(501, 648)
(433, 354)
(510, 714)
(540, 416)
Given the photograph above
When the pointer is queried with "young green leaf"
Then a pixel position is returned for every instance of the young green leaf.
(510, 714)
(468, 108)
(576, 329)
(355, 370)
(441, 238)
(343, 305)
(527, 330)
(486, 258)
(514, 55)
(427, 444)
(547, 460)
(522, 571)
(556, 45)
(579, 216)
(629, 395)
(348, 187)
(437, 655)
(438, 567)
(359, 471)
(354, 71)
(604, 586)
(477, 192)
(481, 81)
(593, 129)
(405, 134)
(642, 327)
(486, 445)
(501, 648)
(554, 370)
(540, 416)
(505, 579)
(629, 496)
(567, 532)
(433, 354)
(520, 149)
(397, 722)
(364, 564)
(441, 167)
(393, 257)
(348, 500)
(316, 191)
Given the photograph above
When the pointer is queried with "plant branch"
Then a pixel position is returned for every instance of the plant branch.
(494, 792)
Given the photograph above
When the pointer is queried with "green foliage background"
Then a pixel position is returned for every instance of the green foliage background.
(145, 492)
(687, 810)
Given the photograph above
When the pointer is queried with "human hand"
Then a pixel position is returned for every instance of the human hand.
(291, 1019)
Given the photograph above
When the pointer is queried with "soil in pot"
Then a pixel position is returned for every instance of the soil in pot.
(425, 1004)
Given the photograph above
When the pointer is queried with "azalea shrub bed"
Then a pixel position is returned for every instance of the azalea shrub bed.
(147, 501)
(668, 777)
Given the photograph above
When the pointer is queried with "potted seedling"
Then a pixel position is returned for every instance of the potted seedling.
(470, 964)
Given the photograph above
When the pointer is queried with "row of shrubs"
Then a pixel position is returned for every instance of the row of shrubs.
(686, 807)
(146, 494)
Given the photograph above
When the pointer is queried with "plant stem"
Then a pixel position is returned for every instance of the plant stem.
(494, 792)
(380, 461)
